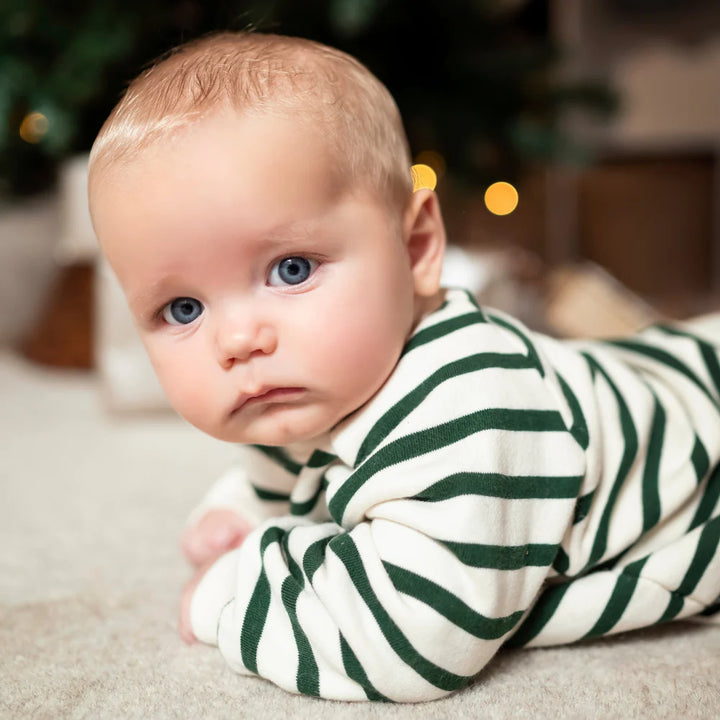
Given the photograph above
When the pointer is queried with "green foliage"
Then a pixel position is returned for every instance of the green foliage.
(473, 78)
(53, 60)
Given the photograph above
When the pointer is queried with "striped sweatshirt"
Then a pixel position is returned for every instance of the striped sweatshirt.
(502, 488)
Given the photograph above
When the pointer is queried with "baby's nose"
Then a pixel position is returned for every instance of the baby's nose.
(240, 343)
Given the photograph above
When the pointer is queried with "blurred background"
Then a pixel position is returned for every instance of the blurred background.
(574, 144)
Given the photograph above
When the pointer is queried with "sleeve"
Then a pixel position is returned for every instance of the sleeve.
(257, 486)
(443, 534)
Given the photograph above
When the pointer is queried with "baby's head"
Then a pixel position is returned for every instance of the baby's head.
(253, 195)
(259, 75)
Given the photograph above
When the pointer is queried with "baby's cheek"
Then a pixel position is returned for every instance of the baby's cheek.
(194, 406)
(376, 340)
(185, 390)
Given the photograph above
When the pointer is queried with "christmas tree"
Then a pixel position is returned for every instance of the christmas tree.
(474, 79)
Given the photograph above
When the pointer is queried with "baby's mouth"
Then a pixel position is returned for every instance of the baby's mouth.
(274, 395)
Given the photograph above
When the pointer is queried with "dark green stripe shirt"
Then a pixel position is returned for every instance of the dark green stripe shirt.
(503, 487)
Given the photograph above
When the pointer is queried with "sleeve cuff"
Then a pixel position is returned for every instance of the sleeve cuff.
(214, 591)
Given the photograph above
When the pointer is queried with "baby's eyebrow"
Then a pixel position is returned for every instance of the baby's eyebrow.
(148, 297)
(290, 232)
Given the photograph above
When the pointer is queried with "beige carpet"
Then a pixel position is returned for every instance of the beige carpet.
(90, 574)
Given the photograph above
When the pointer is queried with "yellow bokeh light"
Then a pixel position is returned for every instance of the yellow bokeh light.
(501, 198)
(34, 127)
(423, 177)
(434, 159)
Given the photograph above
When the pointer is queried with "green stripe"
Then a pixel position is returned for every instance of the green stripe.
(539, 616)
(705, 550)
(629, 453)
(430, 439)
(442, 329)
(502, 557)
(700, 459)
(270, 495)
(666, 359)
(320, 458)
(532, 355)
(356, 672)
(315, 556)
(579, 429)
(307, 506)
(711, 610)
(254, 622)
(472, 299)
(257, 609)
(293, 567)
(279, 456)
(449, 605)
(308, 675)
(674, 606)
(620, 598)
(561, 563)
(344, 547)
(398, 412)
(709, 355)
(651, 474)
(582, 507)
(707, 350)
(708, 501)
(509, 487)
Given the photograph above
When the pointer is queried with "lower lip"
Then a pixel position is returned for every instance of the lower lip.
(276, 395)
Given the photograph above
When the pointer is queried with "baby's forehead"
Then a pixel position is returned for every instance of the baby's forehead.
(275, 139)
(264, 134)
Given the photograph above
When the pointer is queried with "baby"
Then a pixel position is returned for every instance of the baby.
(421, 480)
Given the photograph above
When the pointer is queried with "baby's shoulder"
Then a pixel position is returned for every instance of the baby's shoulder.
(461, 328)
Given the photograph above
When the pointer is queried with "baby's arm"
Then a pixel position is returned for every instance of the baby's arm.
(228, 512)
(233, 507)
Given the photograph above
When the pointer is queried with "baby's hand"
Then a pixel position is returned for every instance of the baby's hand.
(218, 531)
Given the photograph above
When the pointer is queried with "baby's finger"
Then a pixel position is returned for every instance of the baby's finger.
(196, 548)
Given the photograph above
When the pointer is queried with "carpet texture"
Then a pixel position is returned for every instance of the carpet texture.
(90, 573)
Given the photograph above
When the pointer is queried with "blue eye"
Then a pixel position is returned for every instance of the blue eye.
(182, 311)
(291, 271)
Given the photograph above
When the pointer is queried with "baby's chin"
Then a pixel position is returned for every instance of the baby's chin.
(272, 434)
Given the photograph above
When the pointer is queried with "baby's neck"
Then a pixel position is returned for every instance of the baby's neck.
(426, 305)
(301, 450)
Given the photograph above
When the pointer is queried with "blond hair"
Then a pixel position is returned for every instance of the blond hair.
(255, 73)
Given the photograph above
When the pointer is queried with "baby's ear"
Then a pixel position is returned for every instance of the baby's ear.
(425, 239)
